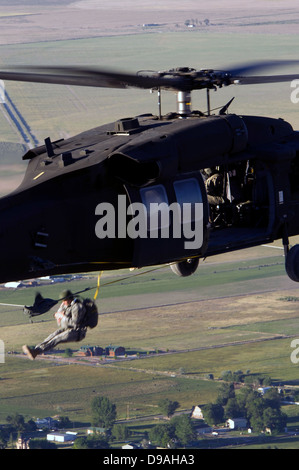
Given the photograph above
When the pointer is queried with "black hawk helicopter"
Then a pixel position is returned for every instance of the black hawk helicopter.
(85, 202)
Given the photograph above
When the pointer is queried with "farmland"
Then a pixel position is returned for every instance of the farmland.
(201, 325)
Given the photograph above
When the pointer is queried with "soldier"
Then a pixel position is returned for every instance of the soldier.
(214, 186)
(70, 318)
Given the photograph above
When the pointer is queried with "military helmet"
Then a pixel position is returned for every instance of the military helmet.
(67, 295)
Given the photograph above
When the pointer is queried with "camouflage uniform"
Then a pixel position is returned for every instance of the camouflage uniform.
(70, 320)
(70, 329)
(214, 187)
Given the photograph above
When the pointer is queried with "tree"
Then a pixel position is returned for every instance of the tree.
(80, 443)
(68, 352)
(30, 425)
(16, 421)
(226, 391)
(272, 398)
(161, 434)
(91, 442)
(41, 444)
(64, 422)
(213, 413)
(104, 412)
(232, 409)
(274, 419)
(255, 409)
(120, 432)
(3, 439)
(183, 428)
(167, 407)
(226, 375)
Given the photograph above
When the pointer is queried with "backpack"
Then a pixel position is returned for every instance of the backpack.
(91, 315)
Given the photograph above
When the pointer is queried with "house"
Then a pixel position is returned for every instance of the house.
(113, 351)
(48, 423)
(196, 412)
(90, 351)
(61, 436)
(130, 445)
(237, 423)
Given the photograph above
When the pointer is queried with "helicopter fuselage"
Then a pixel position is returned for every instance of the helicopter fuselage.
(84, 202)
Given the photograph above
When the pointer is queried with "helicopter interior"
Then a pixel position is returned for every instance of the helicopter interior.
(241, 203)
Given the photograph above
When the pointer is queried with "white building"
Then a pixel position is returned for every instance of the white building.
(130, 446)
(237, 423)
(61, 436)
(196, 412)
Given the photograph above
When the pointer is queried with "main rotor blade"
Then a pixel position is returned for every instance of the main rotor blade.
(82, 76)
(260, 66)
(180, 79)
(254, 80)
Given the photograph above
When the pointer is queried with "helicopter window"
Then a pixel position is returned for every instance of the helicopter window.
(188, 191)
(152, 197)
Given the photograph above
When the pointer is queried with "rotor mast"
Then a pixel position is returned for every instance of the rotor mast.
(184, 103)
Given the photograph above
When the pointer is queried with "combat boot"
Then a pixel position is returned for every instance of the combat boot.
(31, 353)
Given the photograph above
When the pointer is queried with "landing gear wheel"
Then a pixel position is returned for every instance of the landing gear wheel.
(185, 268)
(292, 263)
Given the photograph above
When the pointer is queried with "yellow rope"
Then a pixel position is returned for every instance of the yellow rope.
(98, 285)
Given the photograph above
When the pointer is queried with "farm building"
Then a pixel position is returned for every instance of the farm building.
(61, 436)
(130, 445)
(196, 412)
(90, 351)
(237, 423)
(113, 351)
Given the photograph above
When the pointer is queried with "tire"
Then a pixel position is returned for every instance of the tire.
(292, 263)
(185, 268)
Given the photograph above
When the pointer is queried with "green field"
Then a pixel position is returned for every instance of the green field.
(192, 321)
